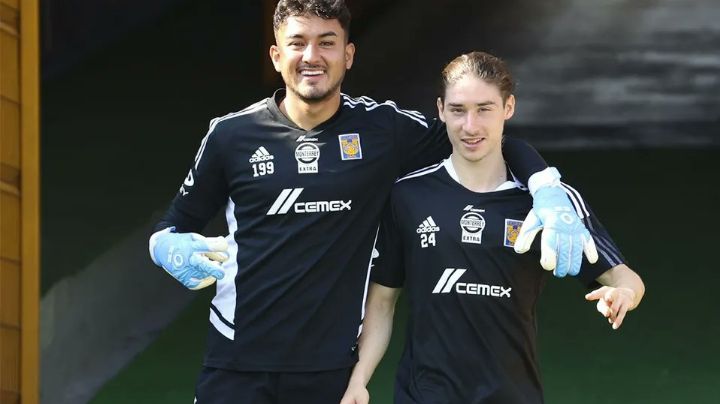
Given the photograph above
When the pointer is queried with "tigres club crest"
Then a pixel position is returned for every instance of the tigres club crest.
(350, 146)
(512, 229)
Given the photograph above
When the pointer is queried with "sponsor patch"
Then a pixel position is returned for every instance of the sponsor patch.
(307, 156)
(512, 229)
(350, 148)
(472, 225)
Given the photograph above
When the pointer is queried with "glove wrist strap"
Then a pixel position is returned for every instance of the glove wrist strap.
(549, 177)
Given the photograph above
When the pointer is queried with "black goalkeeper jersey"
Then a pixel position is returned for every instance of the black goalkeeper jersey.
(303, 209)
(472, 327)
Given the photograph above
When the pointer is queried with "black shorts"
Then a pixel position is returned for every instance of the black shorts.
(221, 386)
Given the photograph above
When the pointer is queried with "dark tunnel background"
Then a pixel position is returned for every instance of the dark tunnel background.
(622, 96)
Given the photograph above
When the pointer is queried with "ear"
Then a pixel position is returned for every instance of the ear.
(440, 108)
(349, 55)
(509, 107)
(275, 57)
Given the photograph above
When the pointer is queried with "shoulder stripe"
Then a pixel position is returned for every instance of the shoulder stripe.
(370, 104)
(604, 246)
(577, 200)
(213, 123)
(421, 172)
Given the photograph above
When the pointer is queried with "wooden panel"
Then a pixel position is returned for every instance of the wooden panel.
(10, 226)
(10, 130)
(10, 80)
(9, 293)
(9, 397)
(10, 3)
(10, 176)
(9, 20)
(30, 194)
(9, 359)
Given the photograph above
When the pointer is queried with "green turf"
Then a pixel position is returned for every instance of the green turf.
(660, 208)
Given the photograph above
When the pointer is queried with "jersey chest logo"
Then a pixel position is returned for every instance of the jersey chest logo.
(472, 225)
(350, 148)
(512, 229)
(307, 156)
(426, 231)
(262, 162)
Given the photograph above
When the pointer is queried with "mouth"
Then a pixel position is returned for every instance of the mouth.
(472, 142)
(311, 72)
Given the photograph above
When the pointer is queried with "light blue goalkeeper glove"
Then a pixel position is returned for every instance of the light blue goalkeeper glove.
(564, 237)
(190, 258)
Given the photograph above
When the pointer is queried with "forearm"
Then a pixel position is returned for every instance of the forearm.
(522, 158)
(622, 276)
(376, 333)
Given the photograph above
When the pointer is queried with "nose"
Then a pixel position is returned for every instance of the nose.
(471, 125)
(311, 54)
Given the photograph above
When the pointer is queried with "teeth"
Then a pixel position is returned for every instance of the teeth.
(311, 72)
(473, 141)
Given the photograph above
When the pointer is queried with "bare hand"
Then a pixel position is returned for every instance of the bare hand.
(613, 303)
(356, 394)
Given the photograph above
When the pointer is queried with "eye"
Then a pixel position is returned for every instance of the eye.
(456, 111)
(327, 44)
(295, 44)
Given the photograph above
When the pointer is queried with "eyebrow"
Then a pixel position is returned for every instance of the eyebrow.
(323, 35)
(480, 104)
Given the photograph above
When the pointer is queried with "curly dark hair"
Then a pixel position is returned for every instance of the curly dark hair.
(326, 9)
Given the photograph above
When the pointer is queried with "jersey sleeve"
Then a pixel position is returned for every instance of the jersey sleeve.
(522, 158)
(388, 267)
(609, 254)
(419, 142)
(203, 191)
(423, 142)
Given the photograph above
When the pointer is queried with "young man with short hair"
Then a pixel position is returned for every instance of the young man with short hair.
(304, 175)
(447, 238)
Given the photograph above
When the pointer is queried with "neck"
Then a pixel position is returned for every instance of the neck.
(309, 115)
(480, 176)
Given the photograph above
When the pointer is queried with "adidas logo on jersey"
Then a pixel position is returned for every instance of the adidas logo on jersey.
(427, 226)
(261, 154)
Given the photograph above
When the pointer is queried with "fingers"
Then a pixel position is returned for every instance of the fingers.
(612, 304)
(548, 250)
(208, 244)
(620, 316)
(576, 254)
(589, 248)
(529, 229)
(564, 250)
(202, 283)
(217, 256)
(205, 267)
(597, 293)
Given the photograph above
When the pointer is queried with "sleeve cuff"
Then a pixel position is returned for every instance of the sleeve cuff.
(549, 177)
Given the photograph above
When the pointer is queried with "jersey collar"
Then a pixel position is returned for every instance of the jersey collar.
(447, 163)
(274, 107)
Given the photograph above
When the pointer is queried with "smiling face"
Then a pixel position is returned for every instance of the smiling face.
(475, 114)
(312, 55)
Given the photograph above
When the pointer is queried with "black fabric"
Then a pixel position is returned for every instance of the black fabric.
(472, 327)
(303, 225)
(220, 386)
(522, 158)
